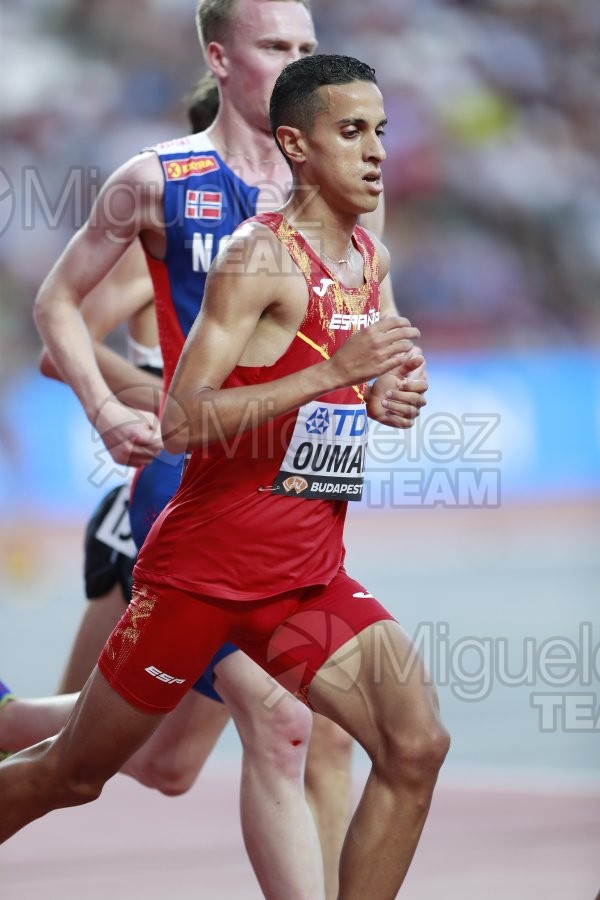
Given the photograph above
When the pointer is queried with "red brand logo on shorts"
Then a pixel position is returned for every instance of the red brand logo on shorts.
(295, 483)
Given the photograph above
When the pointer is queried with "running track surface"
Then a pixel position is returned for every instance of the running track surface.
(497, 844)
(496, 840)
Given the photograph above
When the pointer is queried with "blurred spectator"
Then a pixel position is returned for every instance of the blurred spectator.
(492, 178)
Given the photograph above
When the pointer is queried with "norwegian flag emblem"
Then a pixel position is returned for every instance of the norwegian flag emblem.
(203, 204)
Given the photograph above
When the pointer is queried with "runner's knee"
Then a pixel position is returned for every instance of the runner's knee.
(413, 755)
(165, 774)
(73, 783)
(80, 789)
(280, 737)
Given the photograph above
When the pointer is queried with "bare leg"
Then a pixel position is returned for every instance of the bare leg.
(390, 707)
(72, 768)
(170, 761)
(279, 831)
(24, 722)
(328, 784)
(175, 754)
(104, 730)
(99, 618)
(173, 757)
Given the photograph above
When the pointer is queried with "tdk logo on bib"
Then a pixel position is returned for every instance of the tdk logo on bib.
(325, 458)
(347, 420)
(350, 421)
(318, 422)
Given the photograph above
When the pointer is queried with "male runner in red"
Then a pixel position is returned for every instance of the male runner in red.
(246, 43)
(271, 396)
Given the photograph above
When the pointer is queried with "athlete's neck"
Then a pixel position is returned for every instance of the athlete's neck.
(327, 230)
(244, 147)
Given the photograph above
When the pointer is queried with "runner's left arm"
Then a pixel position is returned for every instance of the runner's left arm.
(396, 398)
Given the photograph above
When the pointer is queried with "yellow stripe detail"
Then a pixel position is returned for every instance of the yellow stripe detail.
(325, 355)
(312, 344)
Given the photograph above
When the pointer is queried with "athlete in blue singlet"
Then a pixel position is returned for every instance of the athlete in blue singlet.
(204, 202)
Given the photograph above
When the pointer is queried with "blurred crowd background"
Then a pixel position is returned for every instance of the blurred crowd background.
(493, 170)
(492, 205)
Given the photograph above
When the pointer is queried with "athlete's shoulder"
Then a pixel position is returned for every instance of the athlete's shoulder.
(130, 195)
(265, 223)
(141, 169)
(189, 143)
(174, 145)
(252, 263)
(252, 242)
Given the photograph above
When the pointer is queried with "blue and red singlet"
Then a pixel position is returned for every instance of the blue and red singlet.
(204, 202)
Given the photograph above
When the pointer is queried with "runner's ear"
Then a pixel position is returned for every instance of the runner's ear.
(291, 141)
(217, 59)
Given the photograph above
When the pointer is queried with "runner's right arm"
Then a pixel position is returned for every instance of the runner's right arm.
(124, 209)
(126, 292)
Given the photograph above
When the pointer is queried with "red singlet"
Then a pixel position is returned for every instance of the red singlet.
(248, 521)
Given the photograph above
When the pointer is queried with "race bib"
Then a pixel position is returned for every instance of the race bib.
(115, 530)
(325, 459)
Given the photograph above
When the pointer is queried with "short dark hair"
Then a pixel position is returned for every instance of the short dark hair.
(295, 100)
